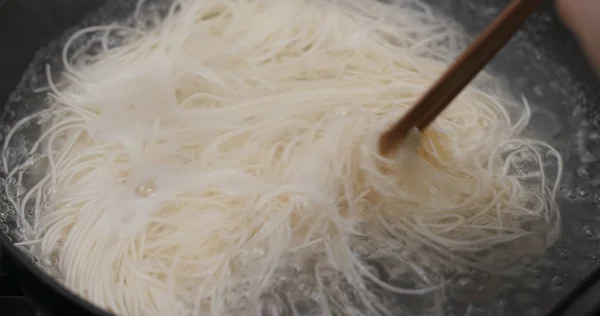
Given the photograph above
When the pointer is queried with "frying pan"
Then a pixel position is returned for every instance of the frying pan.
(543, 63)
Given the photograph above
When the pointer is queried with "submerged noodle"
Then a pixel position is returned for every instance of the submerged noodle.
(190, 163)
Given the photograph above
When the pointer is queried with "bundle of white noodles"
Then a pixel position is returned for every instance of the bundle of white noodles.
(191, 161)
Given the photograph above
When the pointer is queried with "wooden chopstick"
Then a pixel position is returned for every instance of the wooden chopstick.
(460, 74)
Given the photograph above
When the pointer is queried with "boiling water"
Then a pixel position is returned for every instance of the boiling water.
(564, 115)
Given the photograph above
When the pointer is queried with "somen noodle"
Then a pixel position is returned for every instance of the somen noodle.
(189, 162)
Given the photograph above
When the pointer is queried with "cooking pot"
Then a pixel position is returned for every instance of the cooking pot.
(543, 62)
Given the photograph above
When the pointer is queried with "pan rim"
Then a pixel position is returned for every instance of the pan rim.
(8, 248)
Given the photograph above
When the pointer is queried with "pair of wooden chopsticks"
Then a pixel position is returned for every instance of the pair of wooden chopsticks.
(458, 76)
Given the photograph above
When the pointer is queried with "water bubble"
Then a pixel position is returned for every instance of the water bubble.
(564, 255)
(328, 276)
(4, 206)
(539, 90)
(582, 192)
(589, 230)
(501, 304)
(33, 161)
(30, 212)
(596, 120)
(270, 305)
(46, 206)
(291, 270)
(538, 281)
(584, 172)
(306, 307)
(50, 261)
(49, 192)
(557, 282)
(146, 189)
(564, 190)
(465, 285)
(3, 214)
(597, 196)
(48, 99)
(522, 175)
(579, 110)
(304, 284)
(4, 228)
(586, 157)
(361, 248)
(342, 113)
(556, 86)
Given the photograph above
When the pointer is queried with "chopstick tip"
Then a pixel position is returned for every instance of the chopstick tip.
(386, 144)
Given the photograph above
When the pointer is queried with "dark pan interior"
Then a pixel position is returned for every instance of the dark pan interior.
(26, 26)
(543, 63)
